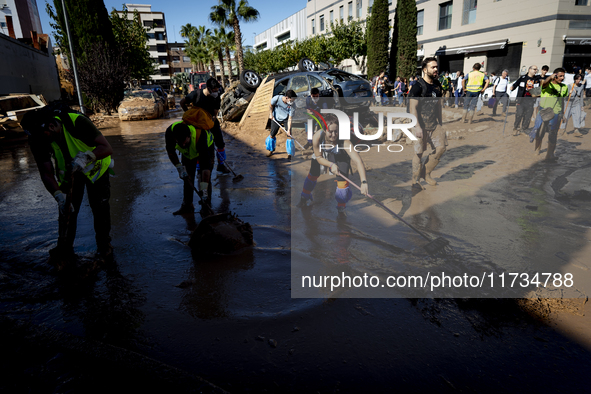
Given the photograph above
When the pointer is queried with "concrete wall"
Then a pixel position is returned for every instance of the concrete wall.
(27, 70)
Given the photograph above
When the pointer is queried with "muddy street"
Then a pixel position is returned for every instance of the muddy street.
(237, 323)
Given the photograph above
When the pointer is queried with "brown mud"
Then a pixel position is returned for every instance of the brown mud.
(231, 321)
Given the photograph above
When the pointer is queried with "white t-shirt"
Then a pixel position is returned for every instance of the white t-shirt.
(460, 82)
(501, 84)
(588, 81)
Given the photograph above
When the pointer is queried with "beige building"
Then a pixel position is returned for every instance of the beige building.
(499, 34)
(155, 23)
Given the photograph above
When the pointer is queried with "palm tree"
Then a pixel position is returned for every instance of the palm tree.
(228, 13)
(229, 45)
(215, 46)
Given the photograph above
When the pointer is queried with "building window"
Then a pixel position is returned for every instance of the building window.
(283, 37)
(370, 6)
(331, 17)
(321, 22)
(186, 59)
(469, 15)
(151, 36)
(358, 8)
(580, 25)
(445, 11)
(188, 69)
(580, 2)
(148, 23)
(313, 27)
(176, 59)
(350, 16)
(420, 18)
(341, 13)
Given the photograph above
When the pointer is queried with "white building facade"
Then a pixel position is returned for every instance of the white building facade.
(155, 23)
(291, 28)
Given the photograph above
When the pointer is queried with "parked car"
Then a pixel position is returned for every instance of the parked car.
(159, 92)
(140, 105)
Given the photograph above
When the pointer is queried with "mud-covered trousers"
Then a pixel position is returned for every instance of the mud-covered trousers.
(99, 194)
(205, 163)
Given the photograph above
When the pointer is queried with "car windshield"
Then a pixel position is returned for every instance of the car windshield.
(146, 95)
(200, 78)
(343, 77)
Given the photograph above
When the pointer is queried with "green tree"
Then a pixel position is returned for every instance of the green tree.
(394, 49)
(89, 24)
(230, 13)
(229, 45)
(407, 38)
(132, 41)
(348, 41)
(217, 46)
(378, 37)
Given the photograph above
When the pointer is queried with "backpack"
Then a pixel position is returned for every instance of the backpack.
(423, 84)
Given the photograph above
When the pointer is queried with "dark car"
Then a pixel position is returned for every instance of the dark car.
(348, 90)
(159, 92)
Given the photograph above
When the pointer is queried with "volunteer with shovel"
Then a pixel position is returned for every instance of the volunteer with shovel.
(193, 140)
(282, 110)
(82, 159)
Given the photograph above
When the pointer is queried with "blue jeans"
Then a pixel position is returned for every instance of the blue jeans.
(400, 98)
(457, 96)
(471, 100)
(553, 124)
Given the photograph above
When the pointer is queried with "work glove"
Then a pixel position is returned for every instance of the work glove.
(82, 160)
(221, 156)
(183, 174)
(60, 197)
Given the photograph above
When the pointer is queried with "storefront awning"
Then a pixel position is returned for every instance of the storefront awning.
(491, 46)
(577, 41)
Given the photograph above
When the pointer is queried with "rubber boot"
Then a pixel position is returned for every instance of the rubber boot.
(185, 208)
(416, 169)
(430, 166)
(464, 116)
(471, 117)
(550, 153)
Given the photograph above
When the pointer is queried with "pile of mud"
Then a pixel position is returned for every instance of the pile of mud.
(221, 234)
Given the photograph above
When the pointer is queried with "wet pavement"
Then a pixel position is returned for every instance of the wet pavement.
(231, 320)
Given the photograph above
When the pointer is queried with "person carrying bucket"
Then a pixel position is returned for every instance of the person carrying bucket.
(282, 110)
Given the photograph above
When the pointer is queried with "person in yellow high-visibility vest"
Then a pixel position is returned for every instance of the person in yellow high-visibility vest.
(77, 147)
(195, 143)
(474, 84)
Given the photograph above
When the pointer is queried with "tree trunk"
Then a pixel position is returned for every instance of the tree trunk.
(212, 66)
(238, 40)
(229, 61)
(221, 60)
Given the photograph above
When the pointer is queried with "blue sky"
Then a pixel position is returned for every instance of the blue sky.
(196, 12)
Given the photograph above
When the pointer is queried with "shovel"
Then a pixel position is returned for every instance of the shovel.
(207, 209)
(237, 178)
(297, 142)
(434, 246)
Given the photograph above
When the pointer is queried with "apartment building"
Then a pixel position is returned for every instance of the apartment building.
(179, 60)
(18, 18)
(498, 34)
(291, 28)
(155, 23)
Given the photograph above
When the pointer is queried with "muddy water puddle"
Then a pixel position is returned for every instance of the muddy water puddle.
(231, 320)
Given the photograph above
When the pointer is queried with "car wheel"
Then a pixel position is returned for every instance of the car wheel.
(250, 80)
(306, 65)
